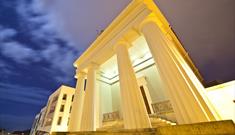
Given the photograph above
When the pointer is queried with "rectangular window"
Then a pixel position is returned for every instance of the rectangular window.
(145, 99)
(55, 99)
(68, 121)
(85, 84)
(62, 108)
(72, 98)
(70, 109)
(59, 120)
(64, 97)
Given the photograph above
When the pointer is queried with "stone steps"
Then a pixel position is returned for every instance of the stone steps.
(118, 124)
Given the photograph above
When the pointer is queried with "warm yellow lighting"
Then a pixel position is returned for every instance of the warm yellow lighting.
(222, 97)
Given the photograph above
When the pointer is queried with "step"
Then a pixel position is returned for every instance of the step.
(206, 128)
(118, 124)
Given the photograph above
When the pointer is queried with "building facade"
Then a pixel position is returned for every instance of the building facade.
(55, 116)
(136, 74)
(35, 125)
(136, 68)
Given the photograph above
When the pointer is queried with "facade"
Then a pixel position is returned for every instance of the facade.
(38, 122)
(136, 74)
(55, 116)
(138, 68)
(35, 125)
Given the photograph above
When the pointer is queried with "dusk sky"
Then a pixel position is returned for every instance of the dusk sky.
(40, 39)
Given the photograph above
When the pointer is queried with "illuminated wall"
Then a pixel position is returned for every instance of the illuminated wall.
(223, 96)
(110, 94)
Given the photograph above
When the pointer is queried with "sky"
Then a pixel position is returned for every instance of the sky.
(40, 39)
(34, 61)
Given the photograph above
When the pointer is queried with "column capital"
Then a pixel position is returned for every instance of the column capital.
(80, 73)
(121, 42)
(93, 65)
(153, 18)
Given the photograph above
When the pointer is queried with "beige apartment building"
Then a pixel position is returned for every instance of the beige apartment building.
(55, 116)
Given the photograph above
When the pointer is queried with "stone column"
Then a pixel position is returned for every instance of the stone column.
(133, 107)
(77, 105)
(88, 122)
(186, 92)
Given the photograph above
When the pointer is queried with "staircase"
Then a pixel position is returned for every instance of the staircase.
(118, 124)
(159, 122)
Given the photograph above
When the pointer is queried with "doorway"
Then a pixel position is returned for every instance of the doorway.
(146, 102)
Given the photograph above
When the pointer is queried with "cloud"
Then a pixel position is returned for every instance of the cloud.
(55, 48)
(59, 58)
(6, 33)
(19, 53)
(80, 20)
(23, 94)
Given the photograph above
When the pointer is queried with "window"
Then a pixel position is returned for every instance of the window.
(62, 108)
(85, 84)
(64, 97)
(145, 99)
(72, 98)
(55, 99)
(70, 109)
(59, 120)
(68, 121)
(52, 109)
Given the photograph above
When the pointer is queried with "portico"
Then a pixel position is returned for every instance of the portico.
(139, 39)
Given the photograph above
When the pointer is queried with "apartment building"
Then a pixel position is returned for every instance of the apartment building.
(55, 116)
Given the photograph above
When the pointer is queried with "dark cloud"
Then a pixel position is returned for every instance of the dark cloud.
(23, 94)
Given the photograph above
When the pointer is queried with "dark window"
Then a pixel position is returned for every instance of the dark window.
(85, 84)
(64, 97)
(68, 121)
(62, 108)
(55, 99)
(72, 98)
(70, 109)
(59, 120)
(52, 109)
(145, 99)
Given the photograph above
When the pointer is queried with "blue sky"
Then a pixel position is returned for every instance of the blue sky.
(34, 61)
(40, 39)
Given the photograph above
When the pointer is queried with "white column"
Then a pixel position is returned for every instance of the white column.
(133, 107)
(98, 105)
(186, 93)
(77, 105)
(88, 122)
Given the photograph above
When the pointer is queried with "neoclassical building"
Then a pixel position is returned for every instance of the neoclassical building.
(137, 68)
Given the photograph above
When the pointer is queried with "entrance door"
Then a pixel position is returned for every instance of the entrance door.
(145, 99)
